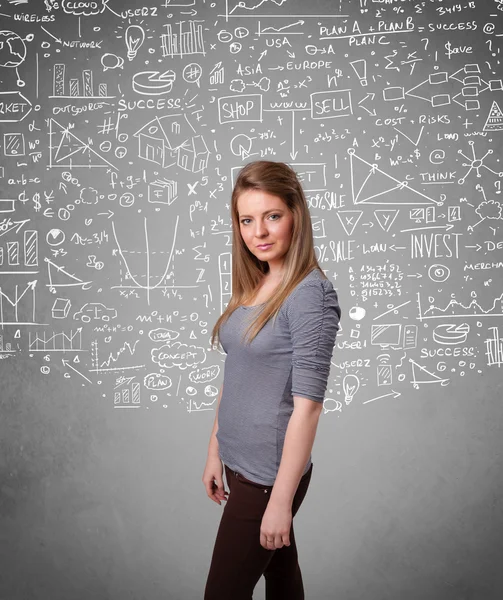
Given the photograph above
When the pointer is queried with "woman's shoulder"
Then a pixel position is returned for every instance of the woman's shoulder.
(314, 279)
(313, 302)
(313, 288)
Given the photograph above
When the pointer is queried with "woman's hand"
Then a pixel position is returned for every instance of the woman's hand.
(275, 527)
(213, 480)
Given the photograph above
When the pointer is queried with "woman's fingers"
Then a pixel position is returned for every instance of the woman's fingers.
(216, 492)
(220, 493)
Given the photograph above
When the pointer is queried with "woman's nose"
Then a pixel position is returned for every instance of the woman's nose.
(260, 229)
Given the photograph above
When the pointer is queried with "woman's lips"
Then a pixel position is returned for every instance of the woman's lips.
(264, 247)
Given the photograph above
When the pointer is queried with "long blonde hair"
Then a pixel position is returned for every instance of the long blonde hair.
(278, 179)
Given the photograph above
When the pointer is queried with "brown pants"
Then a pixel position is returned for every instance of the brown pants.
(239, 560)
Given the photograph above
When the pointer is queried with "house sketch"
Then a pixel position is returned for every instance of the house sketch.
(161, 141)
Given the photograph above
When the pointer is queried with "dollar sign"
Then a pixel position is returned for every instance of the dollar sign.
(36, 200)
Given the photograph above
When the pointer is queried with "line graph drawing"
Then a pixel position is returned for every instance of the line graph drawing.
(113, 357)
(19, 310)
(255, 4)
(161, 280)
(459, 309)
(195, 406)
(271, 30)
(57, 342)
(99, 368)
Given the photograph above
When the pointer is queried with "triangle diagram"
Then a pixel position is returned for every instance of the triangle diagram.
(494, 120)
(386, 217)
(69, 151)
(371, 185)
(349, 220)
(58, 277)
(422, 375)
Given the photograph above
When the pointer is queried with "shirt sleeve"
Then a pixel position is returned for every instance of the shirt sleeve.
(313, 315)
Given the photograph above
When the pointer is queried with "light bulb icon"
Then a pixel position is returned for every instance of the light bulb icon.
(135, 36)
(350, 385)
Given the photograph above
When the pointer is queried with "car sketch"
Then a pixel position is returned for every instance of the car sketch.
(96, 311)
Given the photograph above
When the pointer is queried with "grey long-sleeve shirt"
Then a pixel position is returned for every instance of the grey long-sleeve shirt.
(290, 358)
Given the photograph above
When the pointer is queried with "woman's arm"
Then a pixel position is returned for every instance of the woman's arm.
(213, 445)
(299, 440)
(313, 315)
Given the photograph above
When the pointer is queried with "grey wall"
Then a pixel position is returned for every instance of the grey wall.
(115, 262)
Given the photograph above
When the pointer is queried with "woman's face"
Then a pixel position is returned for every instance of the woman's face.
(265, 219)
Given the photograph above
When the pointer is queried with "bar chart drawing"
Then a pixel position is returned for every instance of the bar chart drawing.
(18, 308)
(77, 87)
(494, 349)
(184, 42)
(57, 342)
(128, 394)
(5, 348)
(10, 255)
(217, 74)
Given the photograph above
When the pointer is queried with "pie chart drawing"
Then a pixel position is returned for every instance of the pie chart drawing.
(55, 237)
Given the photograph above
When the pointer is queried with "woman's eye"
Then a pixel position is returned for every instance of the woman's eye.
(274, 215)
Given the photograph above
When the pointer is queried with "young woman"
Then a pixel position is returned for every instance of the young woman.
(278, 332)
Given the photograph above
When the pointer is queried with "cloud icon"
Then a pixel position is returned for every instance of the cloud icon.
(85, 9)
(489, 209)
(179, 355)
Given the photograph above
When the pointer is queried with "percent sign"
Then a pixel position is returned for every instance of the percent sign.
(323, 253)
